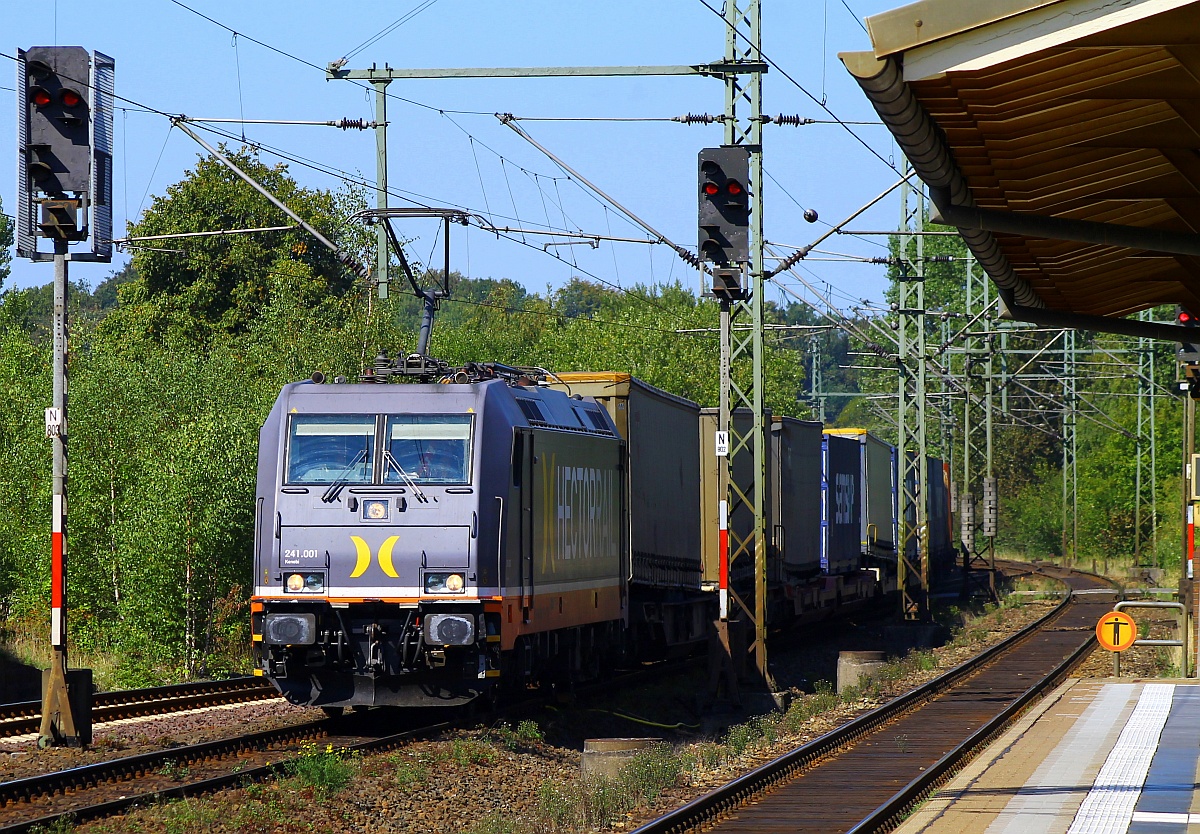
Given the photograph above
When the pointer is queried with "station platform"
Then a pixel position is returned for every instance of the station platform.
(1096, 756)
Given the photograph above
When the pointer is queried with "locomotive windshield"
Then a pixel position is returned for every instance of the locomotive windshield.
(323, 449)
(428, 449)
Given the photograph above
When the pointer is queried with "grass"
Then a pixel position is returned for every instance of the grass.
(526, 736)
(325, 771)
(27, 644)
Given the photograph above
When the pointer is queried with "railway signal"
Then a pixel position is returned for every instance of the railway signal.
(1188, 353)
(58, 142)
(64, 193)
(64, 150)
(724, 215)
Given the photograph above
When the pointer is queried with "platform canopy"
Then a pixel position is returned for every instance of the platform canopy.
(1062, 137)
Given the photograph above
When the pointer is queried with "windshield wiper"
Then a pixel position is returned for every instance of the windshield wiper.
(388, 460)
(335, 489)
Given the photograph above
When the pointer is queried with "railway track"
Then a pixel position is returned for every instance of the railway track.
(25, 717)
(110, 787)
(868, 774)
(888, 759)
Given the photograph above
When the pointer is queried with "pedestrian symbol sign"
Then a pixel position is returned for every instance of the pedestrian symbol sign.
(1116, 631)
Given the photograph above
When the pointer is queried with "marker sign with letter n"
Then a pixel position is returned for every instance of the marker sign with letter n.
(722, 444)
(1116, 631)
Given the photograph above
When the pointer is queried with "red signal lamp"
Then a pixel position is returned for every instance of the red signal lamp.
(39, 97)
(734, 187)
(70, 98)
(1185, 317)
(710, 188)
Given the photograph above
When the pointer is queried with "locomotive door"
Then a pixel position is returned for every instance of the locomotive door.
(525, 523)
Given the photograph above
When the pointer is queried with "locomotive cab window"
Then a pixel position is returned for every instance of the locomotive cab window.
(327, 448)
(428, 449)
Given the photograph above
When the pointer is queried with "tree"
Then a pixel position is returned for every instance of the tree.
(220, 283)
(7, 232)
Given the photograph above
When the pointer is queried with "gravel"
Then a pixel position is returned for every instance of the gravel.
(495, 780)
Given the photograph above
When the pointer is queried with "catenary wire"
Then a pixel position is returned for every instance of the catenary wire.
(322, 70)
(393, 26)
(798, 86)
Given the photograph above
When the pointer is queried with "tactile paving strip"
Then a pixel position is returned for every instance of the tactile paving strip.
(1108, 807)
(1040, 804)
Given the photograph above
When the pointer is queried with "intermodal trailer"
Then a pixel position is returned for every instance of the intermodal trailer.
(660, 430)
(841, 521)
(879, 498)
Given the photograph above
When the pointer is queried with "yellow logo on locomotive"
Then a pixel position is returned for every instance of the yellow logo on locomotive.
(364, 557)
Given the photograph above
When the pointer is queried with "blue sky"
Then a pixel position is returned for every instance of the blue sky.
(174, 60)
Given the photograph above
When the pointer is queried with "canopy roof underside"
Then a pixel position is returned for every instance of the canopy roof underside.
(1081, 110)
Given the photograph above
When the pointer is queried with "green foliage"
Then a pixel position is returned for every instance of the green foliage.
(651, 771)
(471, 751)
(326, 770)
(63, 825)
(527, 734)
(7, 235)
(221, 283)
(497, 822)
(408, 773)
(598, 801)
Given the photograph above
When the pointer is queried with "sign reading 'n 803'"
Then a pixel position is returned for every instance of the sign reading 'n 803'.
(1116, 631)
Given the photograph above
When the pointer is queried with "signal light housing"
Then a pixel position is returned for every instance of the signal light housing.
(1189, 352)
(724, 208)
(58, 124)
(64, 143)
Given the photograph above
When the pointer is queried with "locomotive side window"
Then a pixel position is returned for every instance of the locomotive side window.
(327, 448)
(428, 449)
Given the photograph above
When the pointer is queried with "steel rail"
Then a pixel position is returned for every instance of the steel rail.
(130, 767)
(23, 717)
(704, 809)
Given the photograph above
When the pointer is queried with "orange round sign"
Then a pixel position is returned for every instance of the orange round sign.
(1116, 631)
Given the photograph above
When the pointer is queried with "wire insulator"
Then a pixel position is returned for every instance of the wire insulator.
(695, 119)
(794, 121)
(789, 262)
(688, 256)
(353, 124)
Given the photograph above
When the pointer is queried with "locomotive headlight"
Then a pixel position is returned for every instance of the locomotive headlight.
(375, 510)
(305, 583)
(444, 583)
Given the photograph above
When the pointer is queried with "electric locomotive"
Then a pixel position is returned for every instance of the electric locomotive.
(425, 543)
